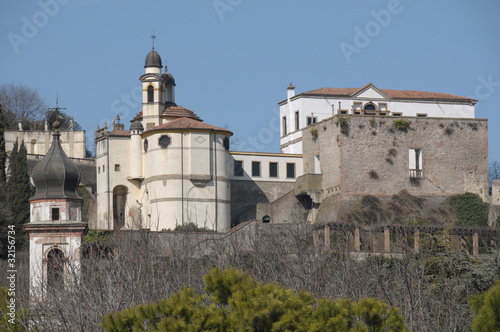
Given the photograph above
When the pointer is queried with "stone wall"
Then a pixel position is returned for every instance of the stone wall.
(38, 141)
(371, 157)
(246, 194)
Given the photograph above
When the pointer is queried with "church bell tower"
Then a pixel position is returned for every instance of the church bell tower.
(158, 90)
(55, 228)
(153, 91)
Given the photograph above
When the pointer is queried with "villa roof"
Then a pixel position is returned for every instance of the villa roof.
(393, 94)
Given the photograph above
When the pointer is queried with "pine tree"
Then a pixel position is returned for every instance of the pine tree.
(18, 190)
(237, 302)
(487, 309)
(2, 147)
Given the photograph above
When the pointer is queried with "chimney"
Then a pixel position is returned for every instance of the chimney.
(290, 91)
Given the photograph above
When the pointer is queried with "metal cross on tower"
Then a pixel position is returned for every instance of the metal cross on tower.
(57, 108)
(153, 38)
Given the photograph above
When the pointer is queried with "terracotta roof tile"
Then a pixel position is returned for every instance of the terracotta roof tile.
(137, 117)
(179, 111)
(174, 111)
(119, 133)
(188, 123)
(396, 94)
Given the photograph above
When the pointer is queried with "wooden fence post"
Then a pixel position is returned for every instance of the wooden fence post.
(357, 242)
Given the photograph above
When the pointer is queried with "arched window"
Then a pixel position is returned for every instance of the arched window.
(370, 107)
(151, 94)
(55, 268)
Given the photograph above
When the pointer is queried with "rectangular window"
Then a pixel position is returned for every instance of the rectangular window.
(397, 114)
(422, 115)
(382, 107)
(273, 170)
(284, 126)
(255, 168)
(297, 124)
(117, 167)
(342, 111)
(357, 106)
(238, 168)
(311, 120)
(55, 213)
(415, 163)
(290, 170)
(103, 168)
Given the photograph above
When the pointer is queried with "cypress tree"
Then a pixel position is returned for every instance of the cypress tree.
(3, 154)
(18, 190)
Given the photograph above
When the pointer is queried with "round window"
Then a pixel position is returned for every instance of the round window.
(164, 141)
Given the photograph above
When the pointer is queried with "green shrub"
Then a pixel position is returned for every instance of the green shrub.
(344, 125)
(401, 125)
(487, 309)
(314, 133)
(191, 227)
(96, 236)
(470, 209)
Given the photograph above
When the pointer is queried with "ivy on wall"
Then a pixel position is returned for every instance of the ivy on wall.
(344, 126)
(470, 209)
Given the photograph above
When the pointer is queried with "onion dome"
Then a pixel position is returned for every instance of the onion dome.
(167, 77)
(55, 176)
(153, 59)
(136, 125)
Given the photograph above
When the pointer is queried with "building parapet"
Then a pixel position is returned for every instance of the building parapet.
(87, 161)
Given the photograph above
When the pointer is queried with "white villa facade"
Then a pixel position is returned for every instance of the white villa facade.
(299, 111)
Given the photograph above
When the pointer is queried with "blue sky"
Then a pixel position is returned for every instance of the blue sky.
(233, 59)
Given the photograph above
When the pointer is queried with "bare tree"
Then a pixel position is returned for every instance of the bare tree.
(23, 104)
(430, 288)
(494, 171)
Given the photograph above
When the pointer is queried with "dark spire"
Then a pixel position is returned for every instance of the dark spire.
(56, 176)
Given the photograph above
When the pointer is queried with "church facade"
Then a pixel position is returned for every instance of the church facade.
(170, 168)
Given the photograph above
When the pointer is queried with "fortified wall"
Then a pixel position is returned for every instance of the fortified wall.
(381, 156)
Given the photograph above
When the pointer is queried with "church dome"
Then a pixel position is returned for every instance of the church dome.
(136, 125)
(153, 59)
(167, 77)
(55, 176)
